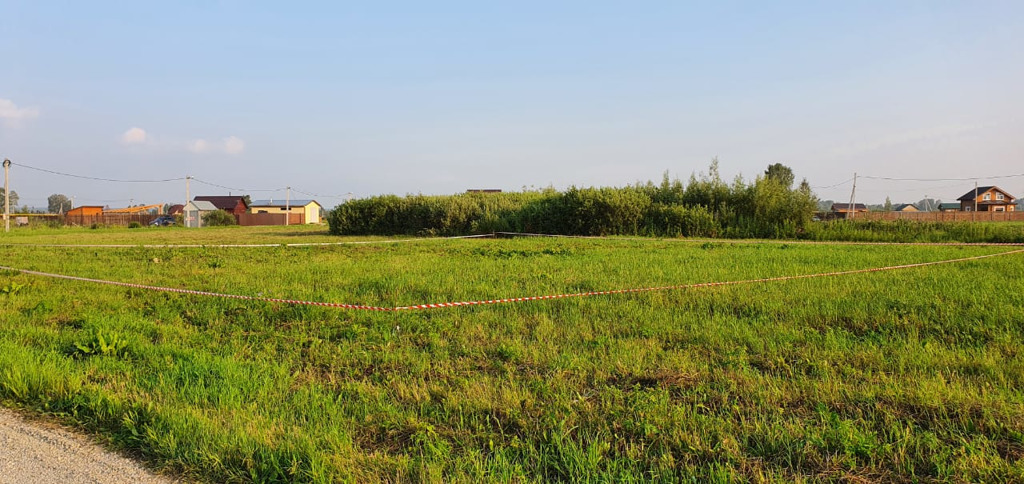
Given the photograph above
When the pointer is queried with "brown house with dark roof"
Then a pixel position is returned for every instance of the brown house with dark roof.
(845, 207)
(235, 205)
(987, 199)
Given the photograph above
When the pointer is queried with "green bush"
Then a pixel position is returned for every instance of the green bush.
(218, 218)
(134, 225)
(704, 207)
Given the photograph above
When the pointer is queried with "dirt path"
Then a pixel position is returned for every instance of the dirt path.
(40, 453)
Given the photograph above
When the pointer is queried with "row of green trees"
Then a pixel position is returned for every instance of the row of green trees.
(706, 206)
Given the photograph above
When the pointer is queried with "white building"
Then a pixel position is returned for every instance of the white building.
(193, 212)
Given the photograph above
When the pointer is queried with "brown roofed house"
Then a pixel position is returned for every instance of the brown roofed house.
(843, 210)
(235, 205)
(987, 199)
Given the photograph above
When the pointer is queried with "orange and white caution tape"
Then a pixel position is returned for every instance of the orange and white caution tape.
(759, 241)
(244, 246)
(508, 300)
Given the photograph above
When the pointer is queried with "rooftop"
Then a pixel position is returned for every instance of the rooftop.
(282, 203)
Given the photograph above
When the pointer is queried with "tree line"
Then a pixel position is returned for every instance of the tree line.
(705, 206)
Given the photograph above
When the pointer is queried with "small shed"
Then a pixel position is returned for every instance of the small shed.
(949, 207)
(906, 207)
(194, 210)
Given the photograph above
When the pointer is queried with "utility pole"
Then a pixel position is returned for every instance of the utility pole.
(974, 213)
(853, 196)
(188, 198)
(7, 195)
(288, 206)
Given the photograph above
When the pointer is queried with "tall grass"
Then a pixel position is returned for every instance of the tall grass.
(907, 375)
(706, 206)
(915, 231)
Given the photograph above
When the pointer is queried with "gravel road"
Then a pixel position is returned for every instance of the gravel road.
(33, 452)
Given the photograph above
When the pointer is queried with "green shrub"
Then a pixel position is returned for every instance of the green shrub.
(706, 206)
(134, 225)
(218, 218)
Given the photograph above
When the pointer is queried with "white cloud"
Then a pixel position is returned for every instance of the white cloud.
(233, 145)
(134, 136)
(12, 114)
(199, 146)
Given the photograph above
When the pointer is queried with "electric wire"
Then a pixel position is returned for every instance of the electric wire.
(238, 189)
(995, 177)
(96, 178)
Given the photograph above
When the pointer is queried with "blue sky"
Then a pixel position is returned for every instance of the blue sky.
(438, 97)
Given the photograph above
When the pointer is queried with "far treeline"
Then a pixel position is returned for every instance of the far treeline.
(706, 206)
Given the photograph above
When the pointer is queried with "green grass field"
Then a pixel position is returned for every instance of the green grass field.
(907, 375)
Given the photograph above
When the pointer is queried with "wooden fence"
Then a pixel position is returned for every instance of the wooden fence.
(109, 219)
(944, 216)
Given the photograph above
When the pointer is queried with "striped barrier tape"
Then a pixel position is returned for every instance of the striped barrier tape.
(760, 241)
(222, 246)
(517, 234)
(507, 300)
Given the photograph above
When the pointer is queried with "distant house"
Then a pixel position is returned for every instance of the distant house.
(176, 209)
(987, 199)
(193, 212)
(905, 207)
(85, 211)
(310, 209)
(845, 208)
(949, 207)
(139, 209)
(235, 205)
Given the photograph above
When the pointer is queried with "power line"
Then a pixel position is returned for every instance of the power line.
(943, 179)
(237, 189)
(86, 177)
(320, 195)
(833, 186)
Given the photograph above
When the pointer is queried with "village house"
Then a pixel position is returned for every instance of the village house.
(310, 209)
(136, 210)
(987, 199)
(85, 211)
(843, 210)
(905, 207)
(235, 205)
